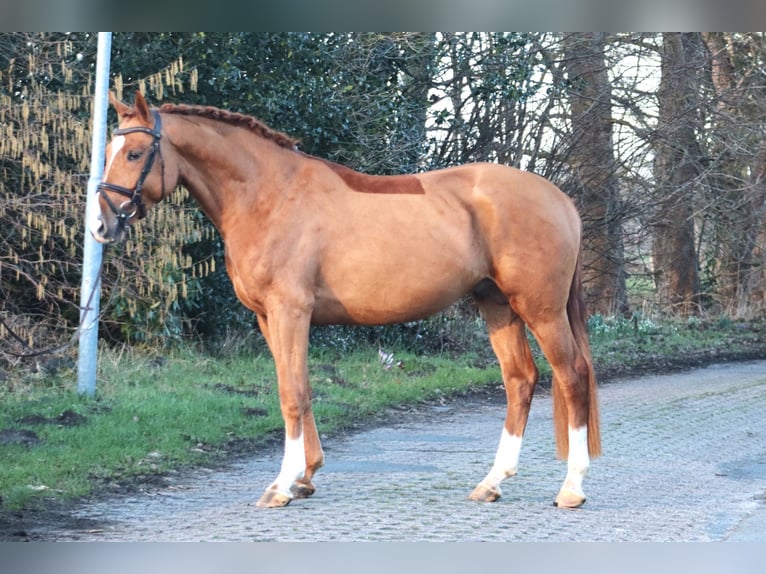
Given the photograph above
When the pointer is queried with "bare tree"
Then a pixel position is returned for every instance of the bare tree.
(738, 161)
(677, 173)
(479, 103)
(591, 158)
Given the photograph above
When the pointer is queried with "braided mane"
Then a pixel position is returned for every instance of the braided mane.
(232, 118)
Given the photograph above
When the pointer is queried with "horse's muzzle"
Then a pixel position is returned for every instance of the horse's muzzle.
(104, 233)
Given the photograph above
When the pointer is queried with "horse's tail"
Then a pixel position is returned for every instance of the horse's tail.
(577, 315)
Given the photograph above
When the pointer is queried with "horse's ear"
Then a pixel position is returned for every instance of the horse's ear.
(121, 109)
(142, 108)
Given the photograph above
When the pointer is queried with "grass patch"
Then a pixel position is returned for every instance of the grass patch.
(638, 344)
(151, 416)
(154, 415)
(146, 420)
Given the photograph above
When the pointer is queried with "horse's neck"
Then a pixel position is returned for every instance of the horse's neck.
(222, 174)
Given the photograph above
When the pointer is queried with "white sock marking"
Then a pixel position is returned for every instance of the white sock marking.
(578, 460)
(293, 465)
(506, 460)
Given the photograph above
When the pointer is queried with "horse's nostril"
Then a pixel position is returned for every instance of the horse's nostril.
(99, 231)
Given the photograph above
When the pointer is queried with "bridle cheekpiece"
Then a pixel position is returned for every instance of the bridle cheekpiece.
(134, 203)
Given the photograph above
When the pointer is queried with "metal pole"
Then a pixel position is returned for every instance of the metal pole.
(92, 250)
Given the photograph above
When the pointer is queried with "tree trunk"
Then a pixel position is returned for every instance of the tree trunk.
(739, 180)
(676, 173)
(591, 157)
(418, 63)
(755, 282)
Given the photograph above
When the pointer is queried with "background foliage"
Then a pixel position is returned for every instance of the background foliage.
(657, 137)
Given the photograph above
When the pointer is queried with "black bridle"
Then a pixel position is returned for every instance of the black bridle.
(134, 203)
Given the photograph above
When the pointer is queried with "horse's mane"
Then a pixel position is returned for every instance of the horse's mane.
(355, 180)
(232, 118)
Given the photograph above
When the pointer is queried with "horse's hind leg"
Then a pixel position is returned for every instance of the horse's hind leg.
(574, 404)
(509, 341)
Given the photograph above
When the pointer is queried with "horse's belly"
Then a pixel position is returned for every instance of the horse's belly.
(379, 308)
(389, 292)
(396, 259)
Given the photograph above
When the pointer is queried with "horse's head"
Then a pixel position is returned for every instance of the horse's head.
(135, 177)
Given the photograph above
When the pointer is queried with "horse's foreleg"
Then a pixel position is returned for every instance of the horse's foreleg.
(303, 487)
(286, 331)
(509, 341)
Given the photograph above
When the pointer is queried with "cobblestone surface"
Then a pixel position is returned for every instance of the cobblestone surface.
(684, 460)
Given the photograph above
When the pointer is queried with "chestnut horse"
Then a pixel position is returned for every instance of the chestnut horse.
(309, 241)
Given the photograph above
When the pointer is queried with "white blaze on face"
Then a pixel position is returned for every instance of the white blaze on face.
(94, 213)
(116, 146)
(94, 219)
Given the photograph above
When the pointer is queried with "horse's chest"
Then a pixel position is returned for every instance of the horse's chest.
(244, 283)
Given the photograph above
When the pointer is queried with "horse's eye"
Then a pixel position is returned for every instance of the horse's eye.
(134, 155)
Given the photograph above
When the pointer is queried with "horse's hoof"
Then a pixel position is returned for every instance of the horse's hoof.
(273, 499)
(302, 489)
(569, 499)
(484, 493)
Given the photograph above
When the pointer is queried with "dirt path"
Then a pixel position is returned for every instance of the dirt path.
(685, 459)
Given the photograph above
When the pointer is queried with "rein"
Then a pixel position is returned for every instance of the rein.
(134, 195)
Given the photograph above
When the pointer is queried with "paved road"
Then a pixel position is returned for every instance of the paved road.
(684, 460)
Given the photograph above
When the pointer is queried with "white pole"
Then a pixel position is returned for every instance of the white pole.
(92, 250)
